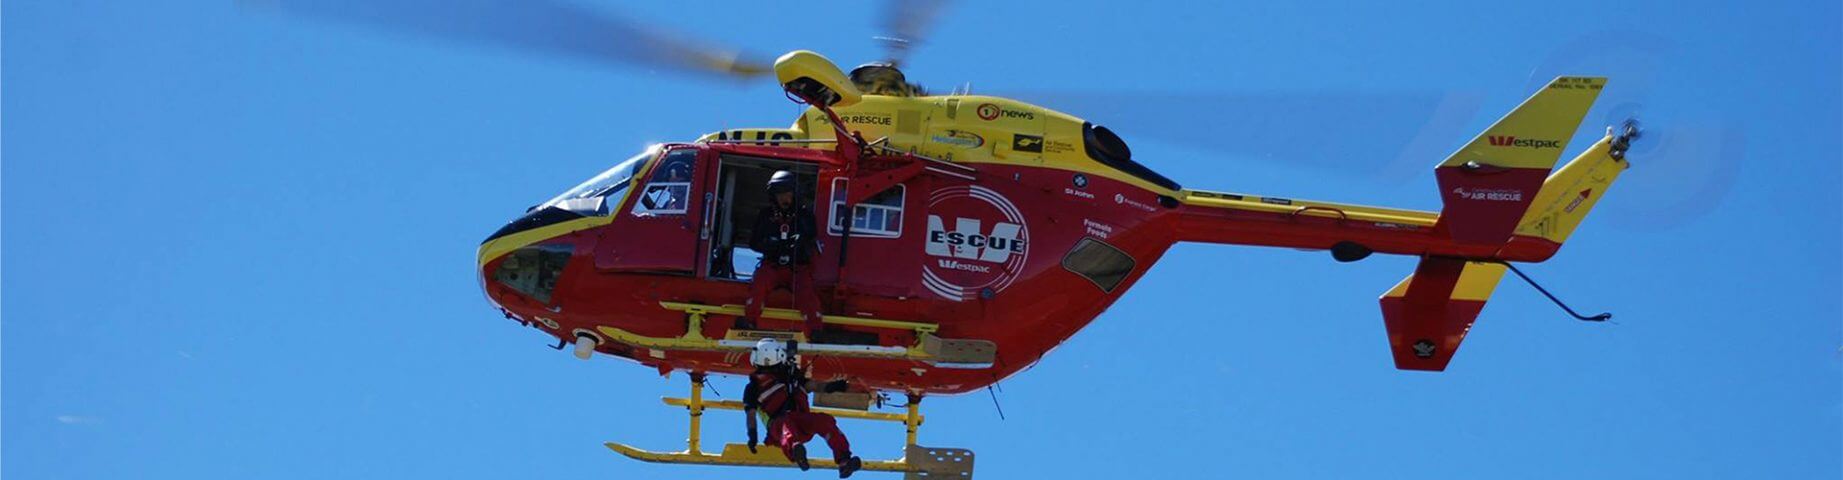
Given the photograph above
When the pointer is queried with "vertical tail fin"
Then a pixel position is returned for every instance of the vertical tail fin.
(1489, 184)
(1430, 312)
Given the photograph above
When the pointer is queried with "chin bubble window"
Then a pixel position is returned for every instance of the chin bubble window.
(533, 270)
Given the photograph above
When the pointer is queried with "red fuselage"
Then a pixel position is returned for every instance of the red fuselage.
(991, 258)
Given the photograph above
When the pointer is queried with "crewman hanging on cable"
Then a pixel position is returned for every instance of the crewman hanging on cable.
(778, 390)
(786, 236)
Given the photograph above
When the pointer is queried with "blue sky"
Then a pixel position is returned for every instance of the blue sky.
(241, 245)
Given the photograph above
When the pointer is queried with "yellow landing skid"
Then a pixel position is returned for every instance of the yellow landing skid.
(918, 462)
(943, 353)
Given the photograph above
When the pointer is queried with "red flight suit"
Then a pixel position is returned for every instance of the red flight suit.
(786, 239)
(780, 393)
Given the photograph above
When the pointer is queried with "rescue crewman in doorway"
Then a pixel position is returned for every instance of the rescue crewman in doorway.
(786, 236)
(778, 390)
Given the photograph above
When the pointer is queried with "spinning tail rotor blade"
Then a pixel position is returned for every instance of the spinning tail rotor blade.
(1688, 157)
(547, 26)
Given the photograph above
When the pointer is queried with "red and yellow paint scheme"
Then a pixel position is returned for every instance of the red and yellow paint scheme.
(1000, 225)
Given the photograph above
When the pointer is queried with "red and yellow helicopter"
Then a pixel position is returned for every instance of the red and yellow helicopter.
(963, 237)
(966, 236)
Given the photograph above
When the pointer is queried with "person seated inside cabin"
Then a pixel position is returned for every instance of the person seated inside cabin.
(670, 188)
(786, 236)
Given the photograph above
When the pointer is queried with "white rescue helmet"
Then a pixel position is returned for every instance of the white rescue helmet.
(769, 352)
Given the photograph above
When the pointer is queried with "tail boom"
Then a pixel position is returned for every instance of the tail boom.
(1237, 219)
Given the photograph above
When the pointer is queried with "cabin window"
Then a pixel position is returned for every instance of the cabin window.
(668, 192)
(879, 216)
(1099, 262)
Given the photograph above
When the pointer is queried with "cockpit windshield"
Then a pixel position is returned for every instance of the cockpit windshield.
(599, 194)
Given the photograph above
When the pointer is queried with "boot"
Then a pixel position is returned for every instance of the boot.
(800, 458)
(849, 466)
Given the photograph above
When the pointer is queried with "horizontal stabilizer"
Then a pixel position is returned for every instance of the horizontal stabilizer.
(1430, 312)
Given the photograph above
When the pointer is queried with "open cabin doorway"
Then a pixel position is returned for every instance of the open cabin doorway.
(742, 192)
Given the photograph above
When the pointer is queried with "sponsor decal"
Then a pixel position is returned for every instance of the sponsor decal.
(1027, 143)
(1424, 348)
(979, 244)
(1513, 141)
(1053, 146)
(988, 112)
(867, 119)
(1081, 181)
(960, 138)
(1077, 193)
(1490, 194)
(859, 119)
(1577, 200)
(1121, 199)
(1227, 196)
(1276, 201)
(1097, 229)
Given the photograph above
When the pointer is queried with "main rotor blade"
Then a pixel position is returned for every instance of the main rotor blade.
(1683, 166)
(547, 26)
(1391, 135)
(906, 23)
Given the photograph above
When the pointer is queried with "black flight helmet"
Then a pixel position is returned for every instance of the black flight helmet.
(782, 181)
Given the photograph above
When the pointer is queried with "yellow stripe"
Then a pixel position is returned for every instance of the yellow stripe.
(1359, 213)
(1476, 282)
(506, 244)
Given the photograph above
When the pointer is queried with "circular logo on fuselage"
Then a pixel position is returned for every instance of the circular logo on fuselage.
(987, 111)
(977, 242)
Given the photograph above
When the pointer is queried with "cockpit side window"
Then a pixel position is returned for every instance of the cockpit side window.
(668, 192)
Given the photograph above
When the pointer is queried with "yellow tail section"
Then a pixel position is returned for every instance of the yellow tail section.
(1569, 193)
(1534, 134)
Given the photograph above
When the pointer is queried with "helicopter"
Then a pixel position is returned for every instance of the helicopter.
(974, 234)
(966, 236)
